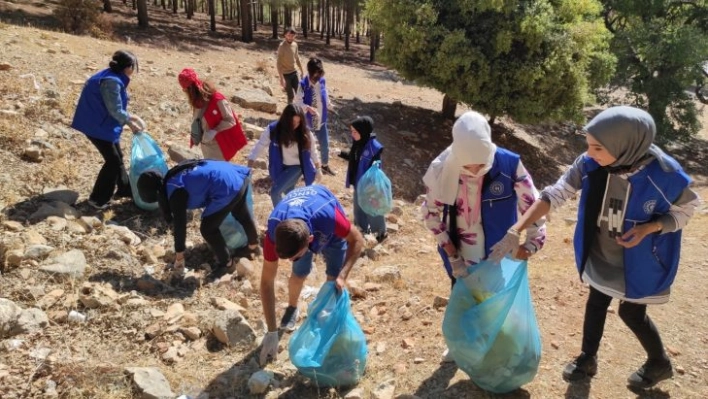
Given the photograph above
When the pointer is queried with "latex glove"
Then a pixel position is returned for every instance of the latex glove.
(506, 245)
(209, 135)
(178, 270)
(269, 351)
(459, 267)
(318, 175)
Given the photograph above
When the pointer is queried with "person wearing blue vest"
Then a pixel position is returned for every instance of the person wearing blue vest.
(217, 186)
(312, 96)
(292, 152)
(634, 202)
(309, 220)
(364, 151)
(475, 192)
(101, 113)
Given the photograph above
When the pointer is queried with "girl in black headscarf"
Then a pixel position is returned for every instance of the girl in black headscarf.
(364, 151)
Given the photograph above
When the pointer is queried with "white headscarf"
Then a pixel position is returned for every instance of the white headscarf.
(471, 144)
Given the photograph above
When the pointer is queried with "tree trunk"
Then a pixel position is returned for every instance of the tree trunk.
(274, 21)
(303, 18)
(348, 21)
(107, 6)
(449, 106)
(246, 27)
(174, 6)
(135, 5)
(163, 3)
(212, 15)
(253, 17)
(327, 21)
(143, 14)
(372, 46)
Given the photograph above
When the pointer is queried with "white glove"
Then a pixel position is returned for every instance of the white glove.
(459, 267)
(209, 135)
(269, 351)
(318, 175)
(505, 246)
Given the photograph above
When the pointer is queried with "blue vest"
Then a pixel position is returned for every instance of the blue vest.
(316, 206)
(308, 92)
(275, 158)
(211, 184)
(92, 117)
(499, 202)
(371, 149)
(651, 266)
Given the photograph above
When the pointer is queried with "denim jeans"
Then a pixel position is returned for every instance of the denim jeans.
(323, 138)
(367, 223)
(286, 182)
(291, 84)
(334, 254)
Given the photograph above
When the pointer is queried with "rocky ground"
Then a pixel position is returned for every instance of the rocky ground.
(84, 311)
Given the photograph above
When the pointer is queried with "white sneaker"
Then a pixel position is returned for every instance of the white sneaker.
(447, 356)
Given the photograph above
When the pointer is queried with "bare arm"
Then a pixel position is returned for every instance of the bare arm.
(270, 270)
(355, 244)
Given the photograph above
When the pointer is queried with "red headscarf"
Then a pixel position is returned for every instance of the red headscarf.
(188, 77)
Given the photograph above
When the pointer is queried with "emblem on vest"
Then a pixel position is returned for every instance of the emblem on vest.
(649, 206)
(365, 153)
(496, 188)
(213, 111)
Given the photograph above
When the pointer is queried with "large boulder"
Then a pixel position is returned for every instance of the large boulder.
(255, 99)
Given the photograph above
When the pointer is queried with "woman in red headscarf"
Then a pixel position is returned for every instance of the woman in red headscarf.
(214, 126)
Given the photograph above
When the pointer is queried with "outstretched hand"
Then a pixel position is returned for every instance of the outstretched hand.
(505, 246)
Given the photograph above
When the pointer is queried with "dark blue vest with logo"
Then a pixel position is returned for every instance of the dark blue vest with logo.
(275, 158)
(313, 204)
(92, 117)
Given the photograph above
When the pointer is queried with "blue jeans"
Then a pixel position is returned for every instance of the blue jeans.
(334, 254)
(367, 223)
(286, 182)
(323, 137)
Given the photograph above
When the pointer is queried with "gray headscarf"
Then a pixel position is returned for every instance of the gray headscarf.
(628, 134)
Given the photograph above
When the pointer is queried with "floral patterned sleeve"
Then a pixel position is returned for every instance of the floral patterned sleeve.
(527, 194)
(432, 217)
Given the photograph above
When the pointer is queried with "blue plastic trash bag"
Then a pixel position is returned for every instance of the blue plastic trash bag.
(330, 347)
(374, 191)
(145, 154)
(490, 326)
(232, 230)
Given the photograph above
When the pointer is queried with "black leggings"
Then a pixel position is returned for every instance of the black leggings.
(210, 227)
(112, 173)
(632, 314)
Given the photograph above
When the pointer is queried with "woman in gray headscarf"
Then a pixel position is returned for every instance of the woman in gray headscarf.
(634, 202)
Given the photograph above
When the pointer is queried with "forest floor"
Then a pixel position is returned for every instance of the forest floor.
(142, 323)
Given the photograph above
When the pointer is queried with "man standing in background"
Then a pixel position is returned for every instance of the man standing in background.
(287, 58)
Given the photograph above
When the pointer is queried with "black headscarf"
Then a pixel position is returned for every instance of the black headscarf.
(365, 126)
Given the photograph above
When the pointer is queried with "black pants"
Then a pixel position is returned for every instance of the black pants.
(291, 83)
(632, 314)
(111, 175)
(210, 226)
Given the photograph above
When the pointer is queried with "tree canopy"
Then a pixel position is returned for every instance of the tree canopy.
(661, 46)
(531, 60)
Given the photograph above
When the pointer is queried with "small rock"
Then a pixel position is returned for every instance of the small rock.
(56, 223)
(392, 227)
(192, 333)
(418, 360)
(125, 234)
(555, 345)
(357, 393)
(231, 328)
(94, 296)
(174, 313)
(440, 302)
(38, 251)
(680, 370)
(400, 368)
(50, 299)
(397, 210)
(225, 304)
(244, 268)
(78, 228)
(61, 194)
(246, 287)
(407, 314)
(13, 258)
(4, 66)
(260, 381)
(385, 390)
(408, 343)
(672, 350)
(385, 273)
(380, 348)
(71, 264)
(150, 382)
(12, 225)
(33, 154)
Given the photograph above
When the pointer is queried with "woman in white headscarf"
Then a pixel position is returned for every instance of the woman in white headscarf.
(476, 191)
(634, 202)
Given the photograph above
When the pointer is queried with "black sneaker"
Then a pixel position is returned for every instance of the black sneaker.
(327, 170)
(651, 373)
(582, 367)
(289, 318)
(381, 237)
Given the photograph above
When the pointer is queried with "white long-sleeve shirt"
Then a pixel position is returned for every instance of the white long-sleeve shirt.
(291, 155)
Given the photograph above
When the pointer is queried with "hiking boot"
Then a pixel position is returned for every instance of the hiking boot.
(583, 366)
(327, 170)
(289, 319)
(651, 373)
(381, 237)
(447, 356)
(97, 206)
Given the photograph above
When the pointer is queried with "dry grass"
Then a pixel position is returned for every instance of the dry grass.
(262, 65)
